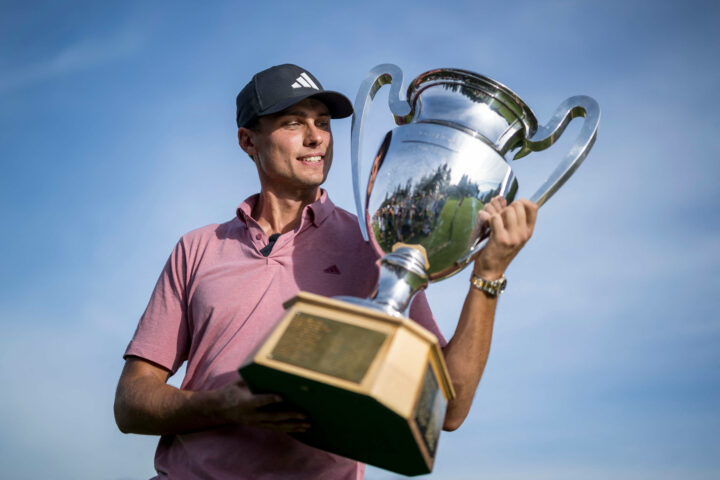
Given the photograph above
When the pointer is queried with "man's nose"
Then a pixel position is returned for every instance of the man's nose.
(313, 135)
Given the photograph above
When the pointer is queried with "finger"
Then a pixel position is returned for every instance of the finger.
(496, 205)
(496, 225)
(489, 209)
(288, 419)
(299, 428)
(493, 206)
(481, 228)
(520, 217)
(483, 215)
(509, 216)
(264, 399)
(280, 416)
(531, 210)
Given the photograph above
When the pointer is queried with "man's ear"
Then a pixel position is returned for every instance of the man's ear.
(246, 141)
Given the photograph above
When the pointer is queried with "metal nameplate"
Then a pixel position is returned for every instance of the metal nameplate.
(430, 410)
(327, 346)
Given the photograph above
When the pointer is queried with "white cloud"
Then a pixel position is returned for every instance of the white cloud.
(81, 55)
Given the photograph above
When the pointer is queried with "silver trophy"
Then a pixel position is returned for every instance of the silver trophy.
(437, 170)
(375, 383)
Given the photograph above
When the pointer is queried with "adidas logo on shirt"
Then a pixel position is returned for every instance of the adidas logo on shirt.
(332, 269)
(304, 80)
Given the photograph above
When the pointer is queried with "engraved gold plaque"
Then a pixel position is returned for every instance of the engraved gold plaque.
(375, 386)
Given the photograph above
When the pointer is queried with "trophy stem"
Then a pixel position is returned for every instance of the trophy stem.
(403, 273)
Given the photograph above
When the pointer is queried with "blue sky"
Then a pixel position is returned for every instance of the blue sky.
(117, 136)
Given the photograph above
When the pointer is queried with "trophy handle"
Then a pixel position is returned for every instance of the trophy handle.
(578, 106)
(375, 79)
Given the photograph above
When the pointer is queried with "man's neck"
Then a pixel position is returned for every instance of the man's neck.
(277, 213)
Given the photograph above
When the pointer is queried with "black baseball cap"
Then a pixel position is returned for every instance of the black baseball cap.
(282, 86)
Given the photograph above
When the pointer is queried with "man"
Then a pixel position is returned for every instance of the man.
(222, 290)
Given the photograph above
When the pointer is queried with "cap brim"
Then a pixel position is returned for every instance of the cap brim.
(337, 103)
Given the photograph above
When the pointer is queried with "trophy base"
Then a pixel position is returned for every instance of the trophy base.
(374, 386)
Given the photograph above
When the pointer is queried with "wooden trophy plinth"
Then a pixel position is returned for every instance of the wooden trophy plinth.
(374, 386)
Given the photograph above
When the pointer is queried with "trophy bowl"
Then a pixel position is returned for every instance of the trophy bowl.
(435, 172)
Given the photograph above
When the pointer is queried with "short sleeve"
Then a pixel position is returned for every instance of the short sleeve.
(162, 334)
(420, 312)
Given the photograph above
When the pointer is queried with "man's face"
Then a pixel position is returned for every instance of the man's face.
(292, 148)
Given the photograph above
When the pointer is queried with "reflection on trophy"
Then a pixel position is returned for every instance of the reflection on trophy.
(373, 382)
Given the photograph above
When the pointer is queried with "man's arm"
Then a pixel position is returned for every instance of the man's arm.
(145, 403)
(467, 351)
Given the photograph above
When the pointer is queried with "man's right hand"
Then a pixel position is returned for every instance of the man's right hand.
(240, 406)
(146, 404)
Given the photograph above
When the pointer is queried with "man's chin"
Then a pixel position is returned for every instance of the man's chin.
(314, 182)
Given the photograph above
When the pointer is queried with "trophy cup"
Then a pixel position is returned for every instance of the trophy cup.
(374, 383)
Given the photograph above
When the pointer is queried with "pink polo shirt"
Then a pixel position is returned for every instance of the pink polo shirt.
(217, 298)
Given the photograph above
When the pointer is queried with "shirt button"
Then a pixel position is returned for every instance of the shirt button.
(258, 236)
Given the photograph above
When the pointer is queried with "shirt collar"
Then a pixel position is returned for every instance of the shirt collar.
(316, 212)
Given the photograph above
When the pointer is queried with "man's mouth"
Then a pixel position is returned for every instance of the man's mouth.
(311, 159)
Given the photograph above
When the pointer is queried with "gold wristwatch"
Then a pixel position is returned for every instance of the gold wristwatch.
(494, 288)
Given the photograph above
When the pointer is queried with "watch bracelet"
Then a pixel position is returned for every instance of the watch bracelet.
(493, 288)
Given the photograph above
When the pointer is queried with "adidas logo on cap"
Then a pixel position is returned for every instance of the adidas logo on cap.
(304, 80)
